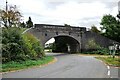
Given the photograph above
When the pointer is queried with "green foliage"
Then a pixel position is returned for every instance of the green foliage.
(13, 65)
(118, 15)
(67, 25)
(92, 44)
(11, 17)
(94, 48)
(111, 27)
(102, 51)
(12, 44)
(29, 23)
(17, 46)
(23, 25)
(53, 47)
(94, 29)
(111, 61)
(33, 45)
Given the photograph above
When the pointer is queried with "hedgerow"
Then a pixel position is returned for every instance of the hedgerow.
(17, 46)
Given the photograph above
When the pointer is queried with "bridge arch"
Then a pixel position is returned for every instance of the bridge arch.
(48, 37)
(71, 40)
(65, 43)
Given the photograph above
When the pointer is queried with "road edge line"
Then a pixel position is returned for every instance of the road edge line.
(108, 72)
(108, 67)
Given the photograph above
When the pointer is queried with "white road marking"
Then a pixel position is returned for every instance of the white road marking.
(108, 67)
(108, 73)
(108, 70)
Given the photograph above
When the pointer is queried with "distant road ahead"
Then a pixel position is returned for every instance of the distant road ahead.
(67, 66)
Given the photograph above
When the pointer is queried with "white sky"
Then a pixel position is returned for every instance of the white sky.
(73, 12)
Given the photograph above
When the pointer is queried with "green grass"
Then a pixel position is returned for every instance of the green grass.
(111, 61)
(23, 29)
(48, 50)
(11, 66)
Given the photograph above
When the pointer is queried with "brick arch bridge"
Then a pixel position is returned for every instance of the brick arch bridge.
(75, 37)
(70, 35)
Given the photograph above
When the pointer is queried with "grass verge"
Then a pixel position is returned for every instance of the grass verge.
(11, 66)
(110, 61)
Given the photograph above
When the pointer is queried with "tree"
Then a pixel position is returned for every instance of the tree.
(67, 25)
(23, 25)
(10, 17)
(111, 27)
(29, 23)
(118, 15)
(94, 29)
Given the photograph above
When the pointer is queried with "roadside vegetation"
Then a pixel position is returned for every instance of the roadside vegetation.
(102, 53)
(110, 29)
(17, 46)
(13, 65)
(106, 58)
(115, 62)
(19, 50)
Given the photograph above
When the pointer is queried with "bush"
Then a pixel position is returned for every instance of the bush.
(93, 48)
(33, 46)
(102, 51)
(92, 45)
(12, 44)
(17, 46)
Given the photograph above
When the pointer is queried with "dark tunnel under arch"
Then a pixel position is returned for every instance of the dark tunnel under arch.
(66, 44)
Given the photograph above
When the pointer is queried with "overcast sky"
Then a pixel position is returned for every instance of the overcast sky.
(73, 12)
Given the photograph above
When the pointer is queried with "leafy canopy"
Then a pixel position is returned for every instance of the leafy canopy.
(11, 17)
(111, 27)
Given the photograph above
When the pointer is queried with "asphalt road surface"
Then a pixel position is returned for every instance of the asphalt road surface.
(67, 66)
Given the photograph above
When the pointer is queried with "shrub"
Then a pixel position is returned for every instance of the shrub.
(33, 45)
(12, 44)
(102, 51)
(93, 48)
(92, 45)
(17, 46)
